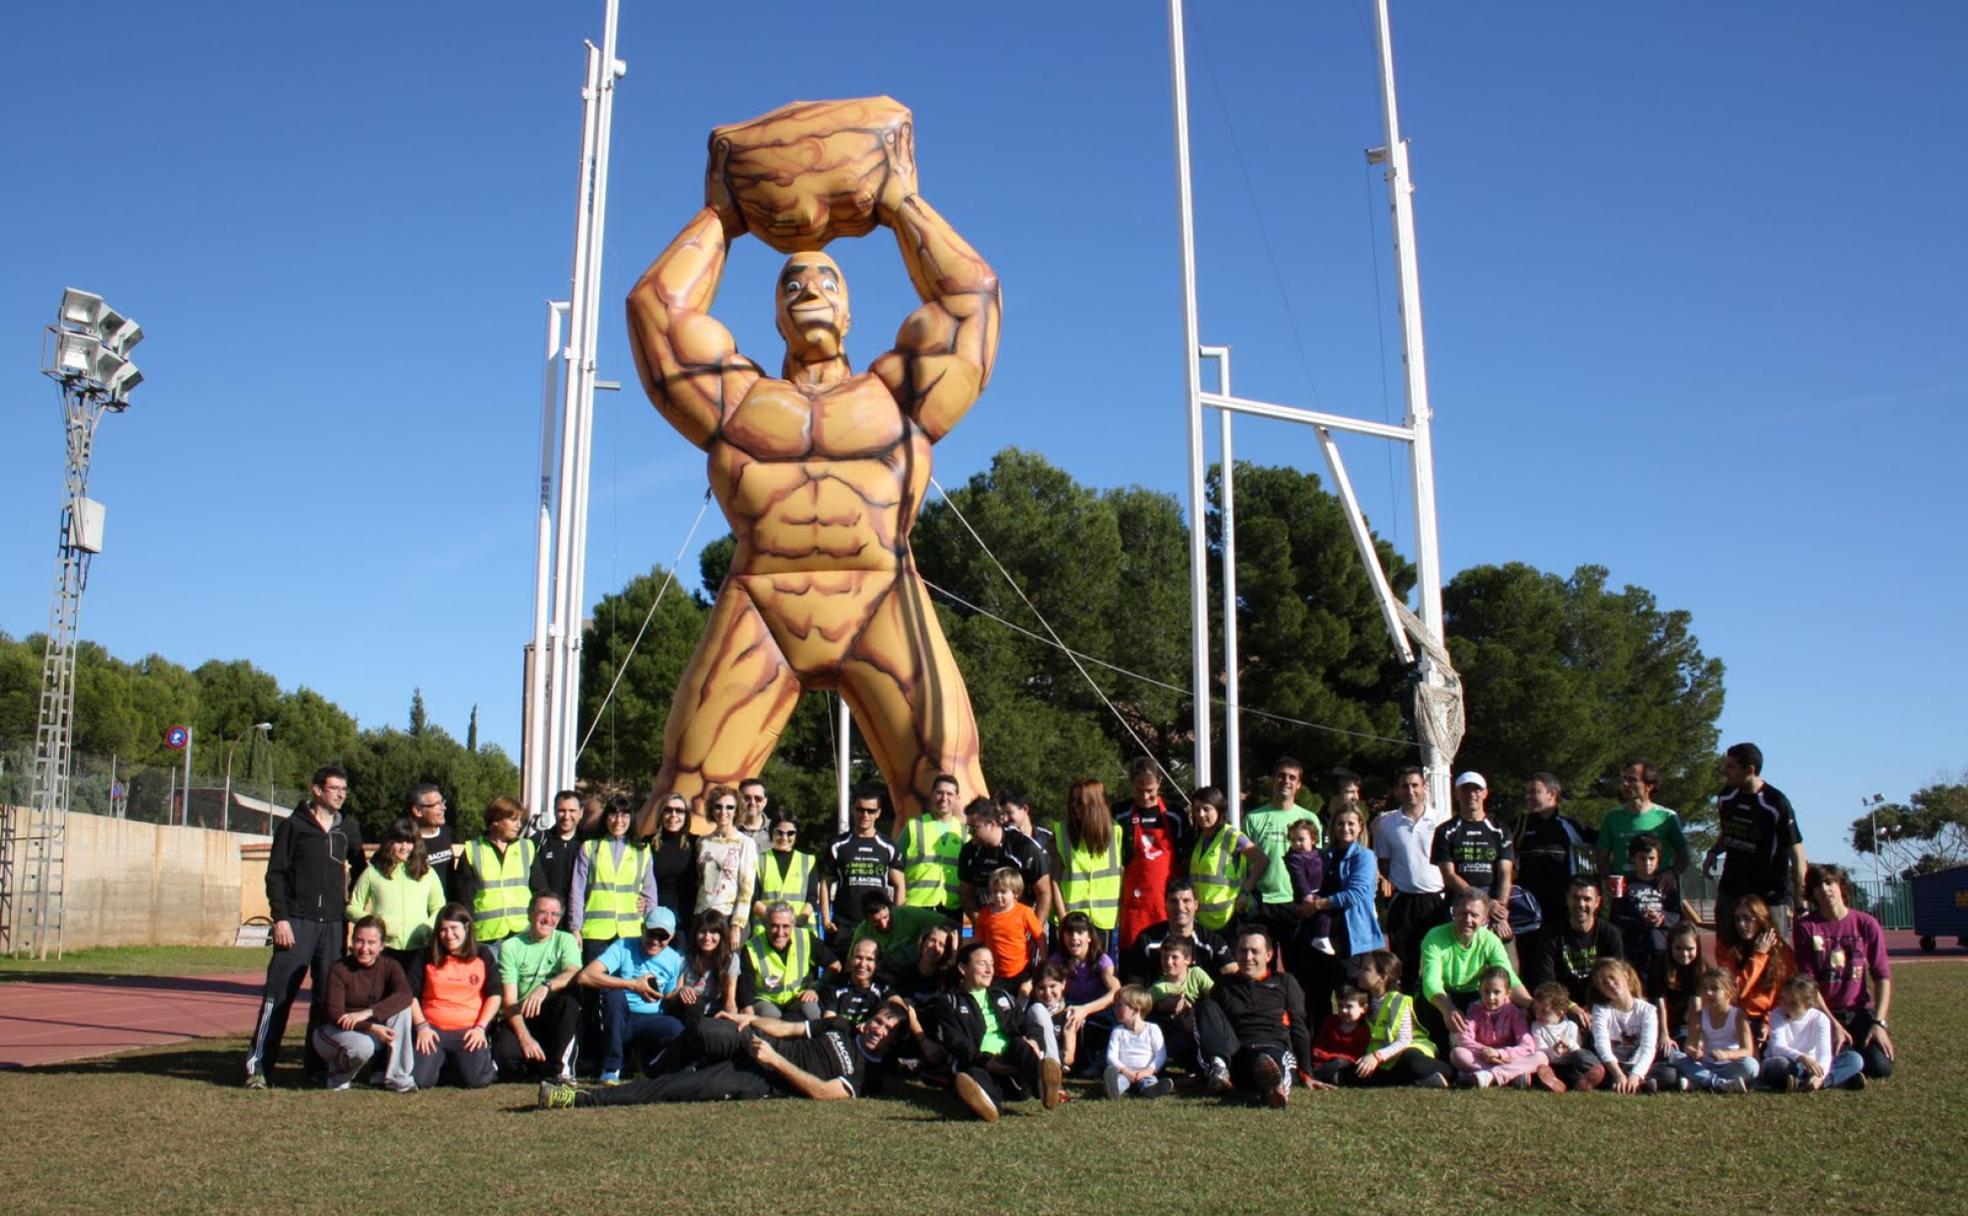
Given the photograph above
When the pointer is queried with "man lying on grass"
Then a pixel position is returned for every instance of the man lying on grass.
(743, 1055)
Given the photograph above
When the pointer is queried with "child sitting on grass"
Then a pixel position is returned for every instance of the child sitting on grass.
(1557, 1035)
(1136, 1052)
(1677, 972)
(1798, 1052)
(1721, 1048)
(1046, 1015)
(1496, 1046)
(1176, 994)
(1626, 1030)
(1342, 1039)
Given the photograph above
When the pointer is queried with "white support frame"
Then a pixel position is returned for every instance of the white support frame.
(552, 705)
(1414, 433)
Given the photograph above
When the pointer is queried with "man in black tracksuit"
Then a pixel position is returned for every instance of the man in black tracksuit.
(316, 851)
(1253, 1026)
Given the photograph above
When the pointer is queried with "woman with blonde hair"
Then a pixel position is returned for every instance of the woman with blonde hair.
(727, 861)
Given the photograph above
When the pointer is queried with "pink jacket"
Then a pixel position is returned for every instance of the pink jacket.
(1507, 1030)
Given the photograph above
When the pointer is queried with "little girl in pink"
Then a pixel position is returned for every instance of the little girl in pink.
(1496, 1047)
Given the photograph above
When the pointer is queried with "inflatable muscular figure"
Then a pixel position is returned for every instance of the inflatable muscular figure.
(821, 471)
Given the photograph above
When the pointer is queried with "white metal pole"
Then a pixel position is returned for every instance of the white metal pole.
(1428, 556)
(584, 370)
(1233, 731)
(187, 802)
(225, 807)
(1363, 541)
(844, 741)
(536, 778)
(1199, 657)
(559, 764)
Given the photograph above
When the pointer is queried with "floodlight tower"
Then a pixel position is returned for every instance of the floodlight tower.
(86, 353)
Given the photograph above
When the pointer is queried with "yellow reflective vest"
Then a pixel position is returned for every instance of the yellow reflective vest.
(1092, 883)
(929, 862)
(779, 978)
(1216, 869)
(609, 909)
(788, 885)
(499, 908)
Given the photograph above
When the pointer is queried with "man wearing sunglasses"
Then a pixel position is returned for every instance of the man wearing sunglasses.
(634, 977)
(860, 862)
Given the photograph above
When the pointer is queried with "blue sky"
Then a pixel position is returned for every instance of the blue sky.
(1690, 273)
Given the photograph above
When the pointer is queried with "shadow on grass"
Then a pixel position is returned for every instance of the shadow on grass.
(208, 1062)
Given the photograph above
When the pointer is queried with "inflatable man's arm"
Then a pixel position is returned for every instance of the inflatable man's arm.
(943, 356)
(690, 365)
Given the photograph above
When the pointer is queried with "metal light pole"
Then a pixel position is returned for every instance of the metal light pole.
(553, 708)
(86, 352)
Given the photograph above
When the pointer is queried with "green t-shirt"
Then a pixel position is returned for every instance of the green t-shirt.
(1620, 826)
(526, 964)
(994, 1042)
(1449, 966)
(1270, 828)
(1196, 985)
(905, 928)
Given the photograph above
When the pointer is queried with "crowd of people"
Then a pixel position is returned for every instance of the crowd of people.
(1125, 944)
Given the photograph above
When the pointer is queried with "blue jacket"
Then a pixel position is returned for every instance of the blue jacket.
(1359, 875)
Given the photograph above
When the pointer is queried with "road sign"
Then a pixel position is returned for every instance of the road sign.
(176, 738)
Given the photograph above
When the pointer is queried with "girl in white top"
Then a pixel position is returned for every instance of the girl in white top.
(1136, 1052)
(1798, 1052)
(1625, 1029)
(1721, 1054)
(727, 862)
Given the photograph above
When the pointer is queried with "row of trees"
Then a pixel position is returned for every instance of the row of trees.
(1563, 673)
(123, 709)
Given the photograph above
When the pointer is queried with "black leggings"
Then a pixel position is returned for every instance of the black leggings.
(1412, 1067)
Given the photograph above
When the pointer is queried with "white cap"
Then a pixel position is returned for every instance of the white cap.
(1472, 777)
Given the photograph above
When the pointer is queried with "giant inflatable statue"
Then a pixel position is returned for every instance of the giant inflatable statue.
(820, 471)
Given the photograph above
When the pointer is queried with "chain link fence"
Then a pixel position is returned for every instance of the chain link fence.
(155, 793)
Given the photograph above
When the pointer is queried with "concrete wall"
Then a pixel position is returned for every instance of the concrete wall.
(145, 884)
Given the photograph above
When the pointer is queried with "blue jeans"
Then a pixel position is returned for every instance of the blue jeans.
(1700, 1075)
(1844, 1066)
(647, 1033)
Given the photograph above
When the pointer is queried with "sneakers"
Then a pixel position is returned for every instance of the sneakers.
(1732, 1085)
(1155, 1087)
(611, 1078)
(1681, 1085)
(1111, 1083)
(1218, 1075)
(1649, 1086)
(1433, 1080)
(1323, 945)
(556, 1097)
(976, 1099)
(256, 1080)
(1858, 1081)
(1273, 1080)
(1052, 1089)
(1520, 1082)
(1549, 1079)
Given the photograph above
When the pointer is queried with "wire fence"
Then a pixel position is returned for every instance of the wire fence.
(155, 793)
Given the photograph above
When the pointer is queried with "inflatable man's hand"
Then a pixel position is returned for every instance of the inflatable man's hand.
(812, 171)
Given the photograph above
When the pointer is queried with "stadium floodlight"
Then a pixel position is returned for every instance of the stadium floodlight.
(76, 355)
(118, 332)
(83, 309)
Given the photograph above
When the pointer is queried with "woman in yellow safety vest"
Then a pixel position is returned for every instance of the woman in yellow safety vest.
(787, 874)
(614, 884)
(494, 872)
(1087, 856)
(727, 862)
(1221, 861)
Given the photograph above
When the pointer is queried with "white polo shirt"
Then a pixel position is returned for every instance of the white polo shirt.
(1403, 846)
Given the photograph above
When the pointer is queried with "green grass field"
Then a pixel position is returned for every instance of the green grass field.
(137, 960)
(169, 1130)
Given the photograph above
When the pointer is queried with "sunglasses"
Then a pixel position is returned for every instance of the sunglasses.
(785, 835)
(657, 935)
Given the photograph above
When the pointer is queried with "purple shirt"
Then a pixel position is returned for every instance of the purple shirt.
(1308, 873)
(1085, 983)
(1838, 953)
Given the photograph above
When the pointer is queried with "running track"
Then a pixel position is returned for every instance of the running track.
(47, 1022)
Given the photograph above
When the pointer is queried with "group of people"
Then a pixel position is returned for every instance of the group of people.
(1124, 944)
